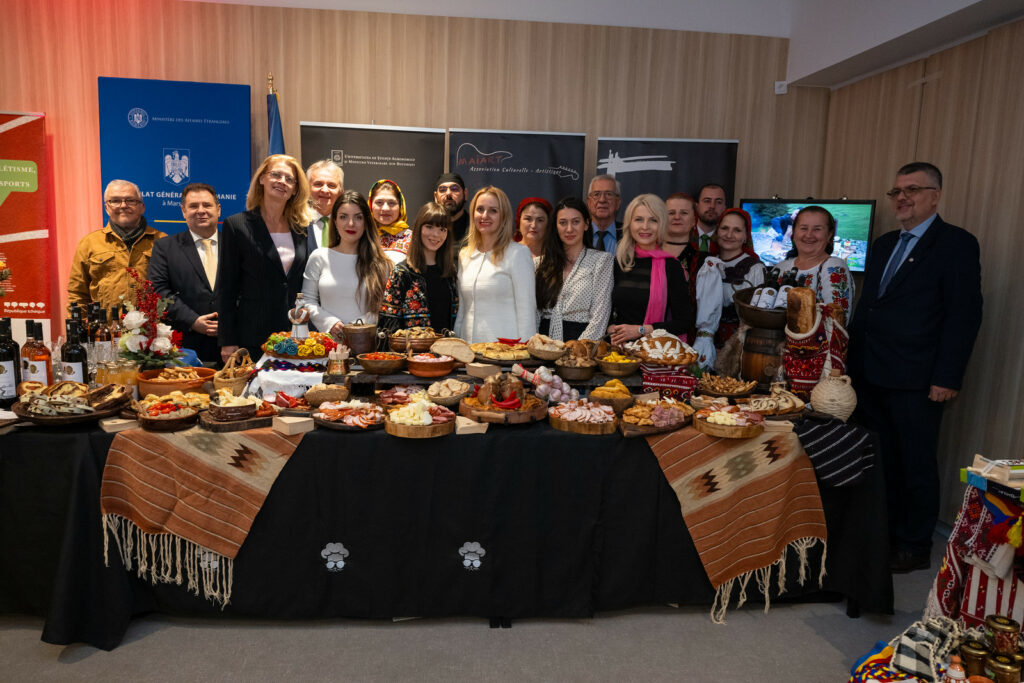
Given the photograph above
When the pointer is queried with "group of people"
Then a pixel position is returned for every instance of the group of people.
(568, 270)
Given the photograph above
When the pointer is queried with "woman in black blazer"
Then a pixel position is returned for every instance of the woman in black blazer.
(262, 257)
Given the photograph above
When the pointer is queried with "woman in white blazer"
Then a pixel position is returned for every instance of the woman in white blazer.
(496, 277)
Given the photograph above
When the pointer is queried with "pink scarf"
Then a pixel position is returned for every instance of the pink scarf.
(658, 298)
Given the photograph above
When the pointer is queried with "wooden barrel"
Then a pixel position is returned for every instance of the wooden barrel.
(762, 354)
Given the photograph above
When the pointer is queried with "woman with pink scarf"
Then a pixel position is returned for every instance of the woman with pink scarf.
(650, 290)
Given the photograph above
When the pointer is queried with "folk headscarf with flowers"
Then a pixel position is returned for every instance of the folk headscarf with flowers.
(400, 224)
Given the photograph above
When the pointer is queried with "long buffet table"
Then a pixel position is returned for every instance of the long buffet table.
(570, 524)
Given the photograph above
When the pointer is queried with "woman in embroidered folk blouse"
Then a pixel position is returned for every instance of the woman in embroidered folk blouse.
(814, 231)
(533, 221)
(423, 290)
(345, 281)
(649, 283)
(496, 285)
(388, 207)
(574, 282)
(735, 266)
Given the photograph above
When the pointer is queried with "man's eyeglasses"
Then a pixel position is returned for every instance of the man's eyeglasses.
(281, 177)
(449, 189)
(603, 194)
(911, 191)
(127, 201)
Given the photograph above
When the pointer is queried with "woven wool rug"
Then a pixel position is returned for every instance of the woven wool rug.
(179, 505)
(745, 502)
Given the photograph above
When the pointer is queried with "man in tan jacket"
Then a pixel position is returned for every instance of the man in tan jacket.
(99, 269)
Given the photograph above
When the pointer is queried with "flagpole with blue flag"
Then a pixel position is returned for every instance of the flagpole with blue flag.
(275, 138)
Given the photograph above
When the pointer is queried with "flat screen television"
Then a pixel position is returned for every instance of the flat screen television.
(772, 227)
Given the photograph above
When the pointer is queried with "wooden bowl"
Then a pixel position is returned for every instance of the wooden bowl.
(613, 369)
(545, 355)
(148, 384)
(418, 344)
(575, 374)
(229, 413)
(381, 367)
(430, 368)
(449, 401)
(727, 431)
(418, 431)
(619, 405)
(583, 427)
(771, 319)
(174, 424)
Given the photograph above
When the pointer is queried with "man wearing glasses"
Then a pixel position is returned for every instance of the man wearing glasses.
(99, 269)
(910, 339)
(603, 200)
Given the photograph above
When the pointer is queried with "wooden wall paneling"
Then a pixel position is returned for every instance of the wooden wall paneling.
(872, 131)
(796, 142)
(988, 417)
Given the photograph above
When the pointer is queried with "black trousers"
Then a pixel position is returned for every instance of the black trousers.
(908, 424)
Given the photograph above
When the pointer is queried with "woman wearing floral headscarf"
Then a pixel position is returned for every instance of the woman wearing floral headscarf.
(388, 208)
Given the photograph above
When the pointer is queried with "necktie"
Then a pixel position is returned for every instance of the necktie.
(609, 241)
(704, 241)
(894, 262)
(210, 263)
(325, 231)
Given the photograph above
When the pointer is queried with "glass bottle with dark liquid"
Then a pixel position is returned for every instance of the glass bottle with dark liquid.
(74, 359)
(36, 365)
(10, 365)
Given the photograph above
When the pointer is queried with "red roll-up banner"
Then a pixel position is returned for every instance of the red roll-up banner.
(24, 226)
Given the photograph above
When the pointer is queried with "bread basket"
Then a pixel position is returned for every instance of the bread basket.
(225, 377)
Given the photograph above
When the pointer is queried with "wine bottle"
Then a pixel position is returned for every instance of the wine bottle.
(10, 365)
(74, 359)
(788, 283)
(101, 338)
(755, 298)
(35, 357)
(770, 291)
(95, 320)
(115, 327)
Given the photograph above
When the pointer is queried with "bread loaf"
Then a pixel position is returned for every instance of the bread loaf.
(454, 347)
(30, 388)
(800, 310)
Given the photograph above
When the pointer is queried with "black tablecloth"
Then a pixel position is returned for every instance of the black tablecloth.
(570, 525)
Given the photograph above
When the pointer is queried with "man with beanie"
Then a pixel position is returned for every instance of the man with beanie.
(450, 192)
(99, 269)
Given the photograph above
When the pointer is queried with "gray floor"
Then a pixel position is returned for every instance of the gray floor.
(806, 643)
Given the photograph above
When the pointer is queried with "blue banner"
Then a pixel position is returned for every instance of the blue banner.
(163, 135)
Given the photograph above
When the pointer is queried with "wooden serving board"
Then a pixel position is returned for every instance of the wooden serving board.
(727, 431)
(419, 431)
(630, 430)
(21, 411)
(509, 417)
(152, 424)
(583, 427)
(206, 421)
(529, 362)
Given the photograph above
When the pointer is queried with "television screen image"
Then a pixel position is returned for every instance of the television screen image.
(772, 227)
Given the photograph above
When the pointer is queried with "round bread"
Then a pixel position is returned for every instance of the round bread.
(454, 347)
(30, 388)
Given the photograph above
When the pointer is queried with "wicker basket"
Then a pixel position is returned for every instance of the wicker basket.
(834, 396)
(238, 359)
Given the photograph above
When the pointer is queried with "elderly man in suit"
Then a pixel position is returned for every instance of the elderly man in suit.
(604, 197)
(910, 340)
(184, 266)
(326, 184)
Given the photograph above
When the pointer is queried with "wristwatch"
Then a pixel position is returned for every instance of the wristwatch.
(641, 330)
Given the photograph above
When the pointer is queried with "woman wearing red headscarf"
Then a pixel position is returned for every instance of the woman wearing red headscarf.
(736, 266)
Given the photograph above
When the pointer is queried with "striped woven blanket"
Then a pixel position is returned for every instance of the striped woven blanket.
(745, 503)
(179, 505)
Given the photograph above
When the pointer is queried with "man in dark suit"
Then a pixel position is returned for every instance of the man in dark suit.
(326, 184)
(604, 197)
(910, 339)
(184, 266)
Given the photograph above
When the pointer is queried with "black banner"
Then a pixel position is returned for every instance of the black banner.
(664, 166)
(523, 164)
(412, 157)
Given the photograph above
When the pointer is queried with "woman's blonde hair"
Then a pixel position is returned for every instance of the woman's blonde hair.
(506, 227)
(625, 252)
(296, 209)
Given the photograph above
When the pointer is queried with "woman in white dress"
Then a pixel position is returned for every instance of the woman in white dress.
(345, 280)
(814, 232)
(496, 280)
(736, 266)
(574, 282)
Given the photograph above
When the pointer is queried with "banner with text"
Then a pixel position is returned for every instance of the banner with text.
(163, 135)
(665, 166)
(26, 248)
(412, 157)
(523, 164)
